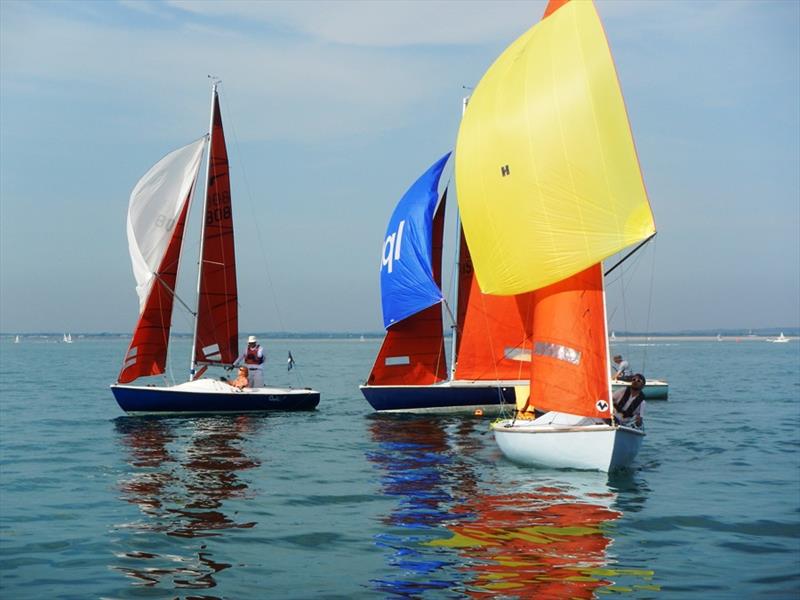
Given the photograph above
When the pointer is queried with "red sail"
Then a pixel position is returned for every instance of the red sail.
(413, 349)
(147, 353)
(494, 340)
(217, 311)
(569, 370)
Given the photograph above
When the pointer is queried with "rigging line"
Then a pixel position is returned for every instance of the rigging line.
(296, 369)
(628, 255)
(650, 304)
(174, 294)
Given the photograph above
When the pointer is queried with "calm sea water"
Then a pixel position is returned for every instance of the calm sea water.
(341, 503)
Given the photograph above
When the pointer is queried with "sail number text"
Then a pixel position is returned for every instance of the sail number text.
(391, 248)
(221, 213)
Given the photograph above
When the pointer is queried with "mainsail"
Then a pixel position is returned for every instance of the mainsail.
(217, 310)
(156, 219)
(494, 336)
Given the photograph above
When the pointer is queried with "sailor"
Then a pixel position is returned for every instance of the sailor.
(629, 402)
(622, 368)
(253, 359)
(242, 380)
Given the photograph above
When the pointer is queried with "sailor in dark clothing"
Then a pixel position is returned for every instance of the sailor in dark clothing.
(629, 402)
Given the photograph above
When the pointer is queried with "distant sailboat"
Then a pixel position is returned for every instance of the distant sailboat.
(719, 337)
(16, 339)
(549, 186)
(157, 214)
(613, 337)
(781, 339)
(67, 338)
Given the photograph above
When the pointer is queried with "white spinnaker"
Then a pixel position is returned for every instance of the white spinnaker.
(154, 207)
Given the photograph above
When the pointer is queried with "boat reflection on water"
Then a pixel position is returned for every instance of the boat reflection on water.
(548, 542)
(180, 473)
(423, 471)
(545, 536)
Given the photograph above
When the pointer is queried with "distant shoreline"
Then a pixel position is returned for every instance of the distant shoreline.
(321, 336)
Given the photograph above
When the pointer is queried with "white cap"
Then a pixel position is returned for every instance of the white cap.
(252, 340)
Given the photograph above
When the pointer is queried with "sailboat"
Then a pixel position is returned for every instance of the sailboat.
(490, 346)
(549, 186)
(781, 339)
(157, 214)
(16, 339)
(67, 338)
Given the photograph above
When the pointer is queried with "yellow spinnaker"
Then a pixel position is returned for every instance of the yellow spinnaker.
(547, 176)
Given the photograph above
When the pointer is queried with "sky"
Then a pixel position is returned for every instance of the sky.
(333, 109)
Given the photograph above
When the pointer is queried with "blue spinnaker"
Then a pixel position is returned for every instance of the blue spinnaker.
(407, 284)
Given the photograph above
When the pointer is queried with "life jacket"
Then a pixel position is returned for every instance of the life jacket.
(251, 356)
(628, 412)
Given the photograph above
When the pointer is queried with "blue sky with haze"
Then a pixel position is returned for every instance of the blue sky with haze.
(332, 109)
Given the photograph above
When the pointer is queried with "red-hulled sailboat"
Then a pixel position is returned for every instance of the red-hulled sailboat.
(157, 213)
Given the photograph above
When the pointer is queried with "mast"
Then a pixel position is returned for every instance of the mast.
(454, 326)
(193, 365)
(610, 387)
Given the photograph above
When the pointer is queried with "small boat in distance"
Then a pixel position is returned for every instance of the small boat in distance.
(67, 338)
(781, 339)
(549, 186)
(157, 213)
(16, 339)
(654, 389)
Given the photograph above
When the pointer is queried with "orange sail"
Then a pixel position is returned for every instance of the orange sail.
(217, 312)
(412, 352)
(147, 353)
(553, 6)
(494, 337)
(569, 367)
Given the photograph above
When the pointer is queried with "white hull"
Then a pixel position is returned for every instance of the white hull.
(595, 447)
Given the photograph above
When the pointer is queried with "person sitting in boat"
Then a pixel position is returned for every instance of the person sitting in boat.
(629, 402)
(241, 381)
(622, 369)
(253, 359)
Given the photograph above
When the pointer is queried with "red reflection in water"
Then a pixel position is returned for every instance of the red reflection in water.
(179, 479)
(547, 543)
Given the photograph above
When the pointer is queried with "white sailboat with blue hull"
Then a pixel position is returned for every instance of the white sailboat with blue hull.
(157, 215)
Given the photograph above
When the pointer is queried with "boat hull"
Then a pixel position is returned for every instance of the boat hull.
(211, 397)
(448, 397)
(653, 390)
(587, 447)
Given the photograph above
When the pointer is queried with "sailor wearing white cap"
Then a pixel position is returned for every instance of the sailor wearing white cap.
(253, 358)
